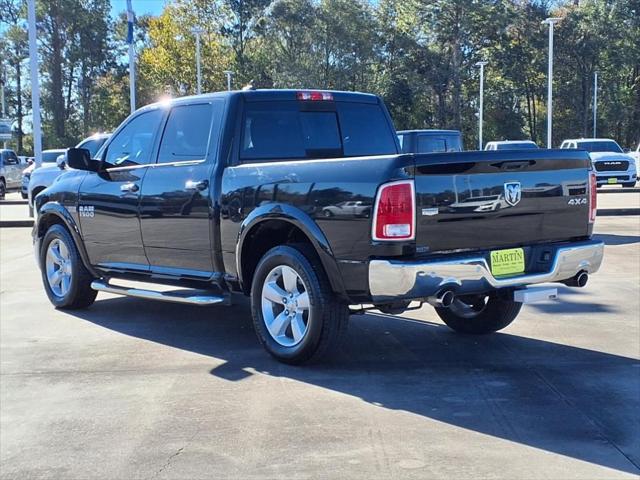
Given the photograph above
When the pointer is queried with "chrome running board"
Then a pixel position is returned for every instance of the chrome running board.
(187, 296)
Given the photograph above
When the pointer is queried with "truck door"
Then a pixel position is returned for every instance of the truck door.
(108, 204)
(176, 206)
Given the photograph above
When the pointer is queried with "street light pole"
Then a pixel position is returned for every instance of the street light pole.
(35, 83)
(595, 104)
(551, 21)
(197, 32)
(229, 74)
(481, 113)
(132, 56)
(4, 112)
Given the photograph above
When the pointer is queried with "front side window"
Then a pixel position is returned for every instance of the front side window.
(10, 158)
(133, 144)
(186, 135)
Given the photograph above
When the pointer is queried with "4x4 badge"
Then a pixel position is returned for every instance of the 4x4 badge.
(512, 193)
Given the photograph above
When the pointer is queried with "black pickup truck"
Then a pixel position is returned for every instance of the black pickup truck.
(229, 192)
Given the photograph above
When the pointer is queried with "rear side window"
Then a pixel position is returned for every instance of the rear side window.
(281, 130)
(186, 135)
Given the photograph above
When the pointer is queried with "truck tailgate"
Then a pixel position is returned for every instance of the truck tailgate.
(481, 200)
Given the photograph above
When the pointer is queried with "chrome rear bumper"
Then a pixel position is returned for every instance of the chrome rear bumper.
(396, 279)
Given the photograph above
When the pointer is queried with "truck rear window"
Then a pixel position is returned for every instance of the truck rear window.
(287, 130)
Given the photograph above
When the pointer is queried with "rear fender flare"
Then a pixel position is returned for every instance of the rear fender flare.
(301, 220)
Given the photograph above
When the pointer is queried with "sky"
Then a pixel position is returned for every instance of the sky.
(140, 7)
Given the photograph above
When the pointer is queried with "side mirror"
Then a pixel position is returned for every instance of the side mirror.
(626, 150)
(61, 161)
(80, 159)
(30, 161)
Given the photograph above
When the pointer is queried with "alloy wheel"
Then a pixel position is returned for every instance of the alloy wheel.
(58, 267)
(285, 306)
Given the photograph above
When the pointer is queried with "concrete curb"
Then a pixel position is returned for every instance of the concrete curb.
(14, 202)
(614, 212)
(620, 190)
(16, 223)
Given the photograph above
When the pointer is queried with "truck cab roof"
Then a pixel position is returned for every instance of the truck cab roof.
(273, 95)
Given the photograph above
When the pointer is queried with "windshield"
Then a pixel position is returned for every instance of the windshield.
(516, 146)
(600, 146)
(92, 144)
(51, 156)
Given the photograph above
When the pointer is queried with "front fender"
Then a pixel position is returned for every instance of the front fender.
(44, 220)
(300, 219)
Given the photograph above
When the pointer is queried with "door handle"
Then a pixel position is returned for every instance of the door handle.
(194, 185)
(129, 187)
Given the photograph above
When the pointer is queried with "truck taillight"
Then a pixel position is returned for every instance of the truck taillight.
(394, 214)
(593, 197)
(314, 96)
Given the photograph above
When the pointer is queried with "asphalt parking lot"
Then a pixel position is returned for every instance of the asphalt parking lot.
(132, 389)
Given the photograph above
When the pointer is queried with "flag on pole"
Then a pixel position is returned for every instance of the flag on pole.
(131, 18)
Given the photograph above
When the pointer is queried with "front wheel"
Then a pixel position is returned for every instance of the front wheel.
(479, 314)
(66, 280)
(296, 316)
(629, 184)
(3, 189)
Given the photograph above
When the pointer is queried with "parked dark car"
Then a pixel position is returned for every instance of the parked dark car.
(430, 141)
(227, 192)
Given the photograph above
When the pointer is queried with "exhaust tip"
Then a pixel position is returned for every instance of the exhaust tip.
(442, 299)
(581, 279)
(446, 298)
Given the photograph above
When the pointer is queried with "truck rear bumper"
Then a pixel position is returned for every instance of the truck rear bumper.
(391, 280)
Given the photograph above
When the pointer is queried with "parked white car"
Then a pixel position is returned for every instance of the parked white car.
(511, 145)
(47, 174)
(611, 164)
(48, 161)
(636, 156)
(10, 171)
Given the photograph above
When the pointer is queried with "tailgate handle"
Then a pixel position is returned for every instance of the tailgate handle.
(513, 164)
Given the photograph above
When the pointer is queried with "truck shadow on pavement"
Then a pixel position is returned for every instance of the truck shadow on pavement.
(611, 239)
(570, 401)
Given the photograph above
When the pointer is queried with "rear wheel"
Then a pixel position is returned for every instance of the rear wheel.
(479, 314)
(3, 188)
(66, 280)
(296, 316)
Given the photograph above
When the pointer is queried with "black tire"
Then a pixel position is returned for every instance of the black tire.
(629, 184)
(80, 293)
(327, 213)
(24, 195)
(3, 189)
(479, 314)
(328, 316)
